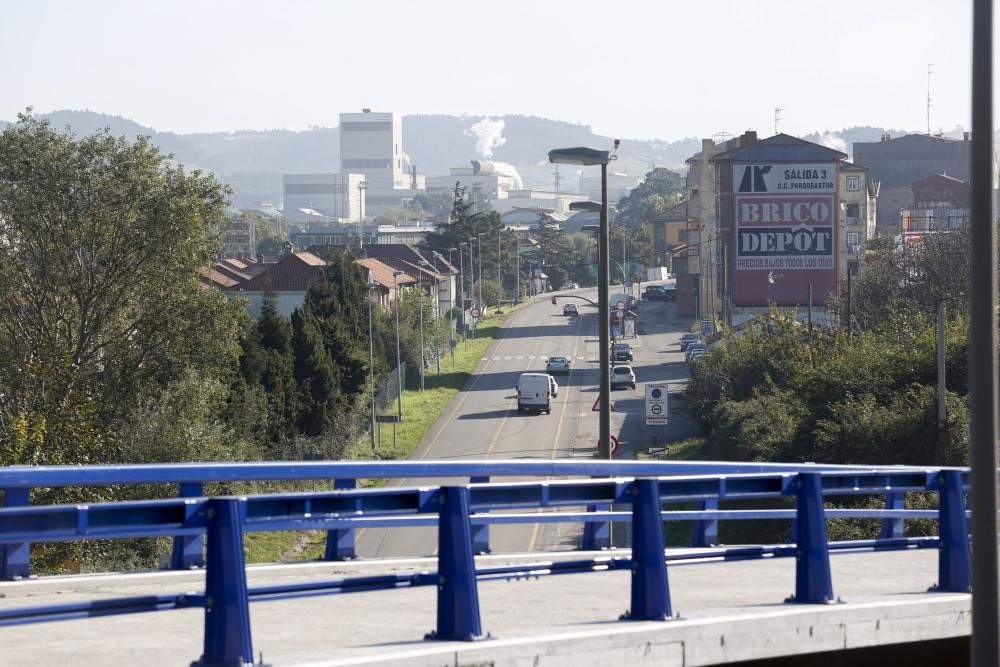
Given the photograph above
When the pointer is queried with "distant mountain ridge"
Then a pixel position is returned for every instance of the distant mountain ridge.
(434, 143)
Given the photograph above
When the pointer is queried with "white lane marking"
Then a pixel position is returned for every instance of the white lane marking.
(521, 357)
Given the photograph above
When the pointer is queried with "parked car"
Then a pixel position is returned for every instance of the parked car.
(695, 347)
(697, 354)
(670, 292)
(570, 309)
(689, 338)
(553, 386)
(622, 352)
(557, 365)
(653, 292)
(622, 376)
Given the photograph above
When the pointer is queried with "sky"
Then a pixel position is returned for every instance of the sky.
(632, 69)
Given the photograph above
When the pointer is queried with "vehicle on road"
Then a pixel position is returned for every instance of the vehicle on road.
(670, 292)
(534, 393)
(622, 352)
(654, 293)
(553, 386)
(689, 338)
(570, 309)
(697, 354)
(622, 376)
(695, 347)
(557, 365)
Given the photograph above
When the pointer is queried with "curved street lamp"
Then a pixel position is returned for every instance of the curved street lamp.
(588, 157)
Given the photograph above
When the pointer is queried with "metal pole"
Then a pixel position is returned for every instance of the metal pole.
(479, 251)
(437, 323)
(371, 364)
(623, 257)
(399, 363)
(942, 413)
(604, 337)
(850, 312)
(461, 292)
(983, 388)
(420, 297)
(499, 288)
(810, 307)
(517, 268)
(362, 186)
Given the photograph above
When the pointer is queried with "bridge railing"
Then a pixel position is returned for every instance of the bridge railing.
(224, 520)
(17, 482)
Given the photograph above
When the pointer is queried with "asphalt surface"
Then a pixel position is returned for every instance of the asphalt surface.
(482, 422)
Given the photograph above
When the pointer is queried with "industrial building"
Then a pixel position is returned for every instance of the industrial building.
(323, 198)
(371, 144)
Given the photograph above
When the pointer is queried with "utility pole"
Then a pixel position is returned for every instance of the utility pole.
(930, 70)
(850, 297)
(942, 412)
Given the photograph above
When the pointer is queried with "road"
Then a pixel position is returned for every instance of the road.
(481, 422)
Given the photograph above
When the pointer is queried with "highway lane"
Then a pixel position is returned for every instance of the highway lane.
(482, 420)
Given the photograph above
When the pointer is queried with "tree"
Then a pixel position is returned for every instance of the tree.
(101, 242)
(660, 190)
(497, 247)
(553, 253)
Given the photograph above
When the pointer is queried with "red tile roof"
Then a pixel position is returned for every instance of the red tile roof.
(381, 273)
(293, 273)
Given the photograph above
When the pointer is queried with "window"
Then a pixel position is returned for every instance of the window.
(853, 242)
(853, 183)
(852, 214)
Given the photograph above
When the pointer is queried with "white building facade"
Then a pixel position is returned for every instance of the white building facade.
(323, 198)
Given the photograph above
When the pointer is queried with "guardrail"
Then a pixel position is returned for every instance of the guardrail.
(224, 520)
(16, 483)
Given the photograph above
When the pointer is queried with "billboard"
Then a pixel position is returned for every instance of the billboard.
(784, 232)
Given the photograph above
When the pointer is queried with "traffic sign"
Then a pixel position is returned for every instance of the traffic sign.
(656, 404)
(620, 305)
(615, 445)
(476, 313)
(597, 405)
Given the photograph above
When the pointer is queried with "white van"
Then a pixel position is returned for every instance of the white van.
(534, 393)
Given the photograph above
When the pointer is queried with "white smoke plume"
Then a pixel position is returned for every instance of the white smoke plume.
(510, 170)
(488, 135)
(834, 141)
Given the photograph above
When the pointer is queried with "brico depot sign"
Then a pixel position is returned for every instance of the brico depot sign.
(785, 232)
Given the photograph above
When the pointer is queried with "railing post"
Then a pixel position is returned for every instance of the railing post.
(15, 559)
(813, 583)
(706, 531)
(650, 589)
(457, 595)
(597, 534)
(340, 541)
(954, 559)
(188, 552)
(480, 534)
(892, 528)
(227, 641)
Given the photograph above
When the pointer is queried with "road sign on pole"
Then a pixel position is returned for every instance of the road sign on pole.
(476, 313)
(597, 405)
(656, 404)
(620, 305)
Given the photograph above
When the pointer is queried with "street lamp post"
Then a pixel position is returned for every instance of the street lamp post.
(362, 186)
(594, 206)
(592, 157)
(499, 283)
(479, 251)
(461, 290)
(371, 359)
(437, 307)
(399, 362)
(517, 268)
(451, 328)
(420, 299)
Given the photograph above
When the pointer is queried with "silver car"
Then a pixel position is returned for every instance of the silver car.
(622, 376)
(557, 365)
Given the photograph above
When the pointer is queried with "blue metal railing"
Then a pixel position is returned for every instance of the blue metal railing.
(457, 509)
(16, 483)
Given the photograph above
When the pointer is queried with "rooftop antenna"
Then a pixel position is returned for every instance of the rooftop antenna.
(930, 70)
(778, 117)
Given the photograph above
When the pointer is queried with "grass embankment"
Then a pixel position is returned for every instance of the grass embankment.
(420, 410)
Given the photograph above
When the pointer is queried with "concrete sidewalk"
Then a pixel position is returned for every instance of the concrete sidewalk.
(729, 611)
